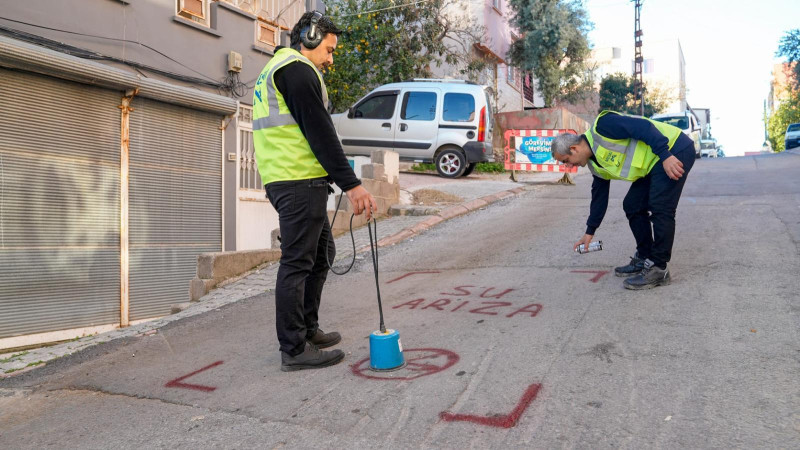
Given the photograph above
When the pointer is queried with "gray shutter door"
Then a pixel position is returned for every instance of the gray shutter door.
(59, 204)
(175, 201)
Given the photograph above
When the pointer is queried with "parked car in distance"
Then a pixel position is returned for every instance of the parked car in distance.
(792, 138)
(441, 121)
(708, 148)
(686, 122)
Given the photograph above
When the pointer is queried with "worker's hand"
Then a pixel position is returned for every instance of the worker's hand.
(585, 240)
(362, 201)
(673, 167)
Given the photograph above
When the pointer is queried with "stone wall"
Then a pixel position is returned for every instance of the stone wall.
(381, 178)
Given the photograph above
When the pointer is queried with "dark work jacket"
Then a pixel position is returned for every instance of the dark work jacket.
(615, 126)
(300, 87)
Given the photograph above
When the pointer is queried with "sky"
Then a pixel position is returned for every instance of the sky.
(729, 47)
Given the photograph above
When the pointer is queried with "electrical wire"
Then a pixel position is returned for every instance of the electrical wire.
(373, 247)
(110, 39)
(231, 83)
(385, 9)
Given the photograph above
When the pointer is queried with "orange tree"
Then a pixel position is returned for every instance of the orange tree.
(384, 43)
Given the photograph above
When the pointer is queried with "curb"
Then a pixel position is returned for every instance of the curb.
(446, 214)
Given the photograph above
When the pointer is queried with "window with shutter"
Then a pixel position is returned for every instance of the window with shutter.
(195, 10)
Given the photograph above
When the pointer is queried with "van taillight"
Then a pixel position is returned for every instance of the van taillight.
(482, 125)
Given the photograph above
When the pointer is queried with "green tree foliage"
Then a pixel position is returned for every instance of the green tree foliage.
(617, 94)
(788, 112)
(382, 43)
(789, 48)
(553, 45)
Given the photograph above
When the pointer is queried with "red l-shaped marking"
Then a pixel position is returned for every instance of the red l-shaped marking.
(502, 421)
(409, 274)
(597, 277)
(178, 382)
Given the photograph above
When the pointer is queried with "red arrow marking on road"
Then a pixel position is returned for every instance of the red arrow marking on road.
(178, 382)
(500, 421)
(597, 277)
(409, 274)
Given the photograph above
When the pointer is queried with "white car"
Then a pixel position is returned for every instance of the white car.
(708, 148)
(446, 122)
(792, 138)
(687, 122)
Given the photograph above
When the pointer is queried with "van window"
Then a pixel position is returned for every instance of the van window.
(419, 106)
(378, 107)
(459, 108)
(793, 127)
(681, 122)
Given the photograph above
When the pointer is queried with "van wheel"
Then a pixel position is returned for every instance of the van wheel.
(451, 163)
(469, 169)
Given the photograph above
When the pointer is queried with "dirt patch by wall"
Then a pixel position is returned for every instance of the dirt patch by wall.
(434, 197)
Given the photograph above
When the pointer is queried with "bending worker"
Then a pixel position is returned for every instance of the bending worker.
(656, 158)
(298, 155)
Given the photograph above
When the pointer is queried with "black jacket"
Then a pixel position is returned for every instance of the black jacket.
(615, 126)
(300, 87)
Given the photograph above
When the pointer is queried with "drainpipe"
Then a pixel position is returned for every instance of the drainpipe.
(124, 170)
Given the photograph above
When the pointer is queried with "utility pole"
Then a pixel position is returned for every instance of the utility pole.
(638, 82)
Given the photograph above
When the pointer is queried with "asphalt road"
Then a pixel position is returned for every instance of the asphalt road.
(512, 341)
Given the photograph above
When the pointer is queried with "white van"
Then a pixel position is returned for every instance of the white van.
(445, 122)
(708, 148)
(687, 122)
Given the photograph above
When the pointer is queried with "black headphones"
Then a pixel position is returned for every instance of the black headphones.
(311, 37)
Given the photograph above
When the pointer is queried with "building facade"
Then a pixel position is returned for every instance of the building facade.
(125, 151)
(664, 67)
(513, 89)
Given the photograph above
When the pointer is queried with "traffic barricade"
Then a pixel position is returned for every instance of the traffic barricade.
(529, 151)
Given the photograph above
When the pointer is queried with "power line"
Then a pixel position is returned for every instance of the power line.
(110, 39)
(385, 9)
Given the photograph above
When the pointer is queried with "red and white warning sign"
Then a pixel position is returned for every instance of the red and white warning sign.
(529, 150)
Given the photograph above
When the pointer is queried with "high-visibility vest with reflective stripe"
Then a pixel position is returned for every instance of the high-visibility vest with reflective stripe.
(282, 152)
(625, 159)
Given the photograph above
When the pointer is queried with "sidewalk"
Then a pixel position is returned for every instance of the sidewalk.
(477, 193)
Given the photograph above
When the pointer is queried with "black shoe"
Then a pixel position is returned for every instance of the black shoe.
(650, 277)
(633, 268)
(311, 358)
(324, 340)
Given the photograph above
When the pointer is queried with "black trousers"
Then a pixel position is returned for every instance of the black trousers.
(305, 238)
(650, 206)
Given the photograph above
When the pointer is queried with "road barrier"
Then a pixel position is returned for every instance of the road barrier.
(529, 151)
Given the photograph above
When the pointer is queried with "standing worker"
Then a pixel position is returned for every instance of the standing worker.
(299, 155)
(656, 157)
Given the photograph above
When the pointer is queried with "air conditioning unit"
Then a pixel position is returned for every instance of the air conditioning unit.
(234, 62)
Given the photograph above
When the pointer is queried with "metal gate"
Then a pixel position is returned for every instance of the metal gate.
(59, 204)
(175, 201)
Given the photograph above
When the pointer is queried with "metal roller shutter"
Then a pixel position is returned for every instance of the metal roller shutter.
(59, 204)
(175, 201)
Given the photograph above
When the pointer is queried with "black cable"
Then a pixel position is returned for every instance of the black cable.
(373, 247)
(89, 54)
(352, 238)
(110, 39)
(374, 251)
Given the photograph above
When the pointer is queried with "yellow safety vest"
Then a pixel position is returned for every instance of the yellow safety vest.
(625, 159)
(282, 152)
